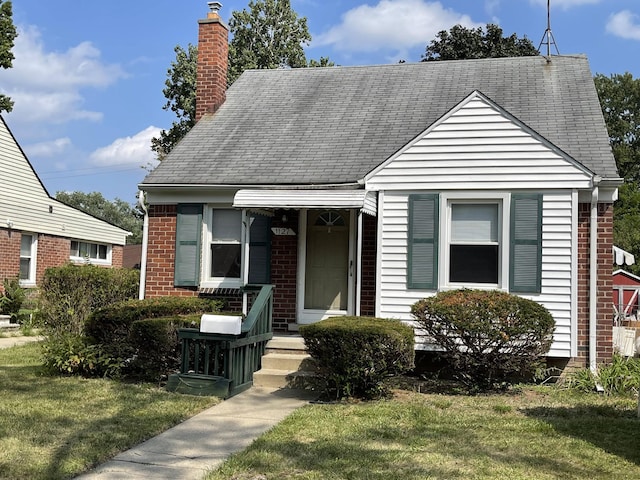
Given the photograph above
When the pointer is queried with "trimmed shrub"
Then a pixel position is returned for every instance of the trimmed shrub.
(488, 338)
(356, 354)
(158, 349)
(69, 294)
(123, 330)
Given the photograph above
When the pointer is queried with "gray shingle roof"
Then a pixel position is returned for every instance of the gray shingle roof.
(335, 125)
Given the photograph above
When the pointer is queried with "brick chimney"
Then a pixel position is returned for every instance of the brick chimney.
(213, 55)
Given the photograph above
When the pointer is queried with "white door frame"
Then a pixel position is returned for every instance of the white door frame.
(306, 316)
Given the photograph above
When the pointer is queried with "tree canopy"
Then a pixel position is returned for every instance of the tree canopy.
(8, 34)
(620, 101)
(461, 43)
(267, 35)
(118, 212)
(180, 92)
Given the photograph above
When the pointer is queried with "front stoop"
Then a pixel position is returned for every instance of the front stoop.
(286, 364)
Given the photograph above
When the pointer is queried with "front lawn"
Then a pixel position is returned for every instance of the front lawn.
(537, 433)
(58, 427)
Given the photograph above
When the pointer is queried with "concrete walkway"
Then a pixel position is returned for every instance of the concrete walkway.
(201, 443)
(13, 339)
(192, 448)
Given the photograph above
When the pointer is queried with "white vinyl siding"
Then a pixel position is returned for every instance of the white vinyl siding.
(395, 299)
(478, 148)
(25, 202)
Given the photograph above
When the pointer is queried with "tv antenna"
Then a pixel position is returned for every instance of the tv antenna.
(547, 38)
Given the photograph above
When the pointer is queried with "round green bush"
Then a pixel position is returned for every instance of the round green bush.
(356, 354)
(489, 338)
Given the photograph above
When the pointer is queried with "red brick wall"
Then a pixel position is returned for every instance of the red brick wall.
(213, 53)
(369, 248)
(161, 252)
(9, 254)
(604, 343)
(52, 252)
(284, 267)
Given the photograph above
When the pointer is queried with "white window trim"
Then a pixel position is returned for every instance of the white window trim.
(92, 261)
(504, 208)
(207, 239)
(31, 281)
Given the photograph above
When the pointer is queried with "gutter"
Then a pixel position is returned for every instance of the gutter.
(145, 241)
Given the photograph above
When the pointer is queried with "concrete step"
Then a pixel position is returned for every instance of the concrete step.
(290, 362)
(286, 344)
(270, 378)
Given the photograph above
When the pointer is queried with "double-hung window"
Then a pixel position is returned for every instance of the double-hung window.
(28, 255)
(474, 243)
(225, 254)
(482, 240)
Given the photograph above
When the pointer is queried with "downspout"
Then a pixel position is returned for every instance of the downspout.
(359, 265)
(145, 240)
(593, 278)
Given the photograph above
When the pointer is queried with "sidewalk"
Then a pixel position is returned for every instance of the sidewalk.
(17, 339)
(189, 450)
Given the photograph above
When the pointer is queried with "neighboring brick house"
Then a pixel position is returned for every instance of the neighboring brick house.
(360, 190)
(37, 231)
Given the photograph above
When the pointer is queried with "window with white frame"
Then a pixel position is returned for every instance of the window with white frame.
(83, 251)
(28, 255)
(474, 242)
(225, 247)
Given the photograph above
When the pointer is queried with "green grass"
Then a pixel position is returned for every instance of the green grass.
(58, 427)
(537, 433)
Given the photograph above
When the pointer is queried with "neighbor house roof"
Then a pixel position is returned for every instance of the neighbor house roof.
(335, 125)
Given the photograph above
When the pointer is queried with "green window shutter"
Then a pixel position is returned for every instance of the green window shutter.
(526, 243)
(188, 247)
(422, 268)
(260, 250)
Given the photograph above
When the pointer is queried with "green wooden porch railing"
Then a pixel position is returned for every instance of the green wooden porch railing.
(223, 364)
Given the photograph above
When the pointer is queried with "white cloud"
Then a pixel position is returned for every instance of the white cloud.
(46, 85)
(565, 4)
(135, 150)
(48, 149)
(624, 24)
(391, 25)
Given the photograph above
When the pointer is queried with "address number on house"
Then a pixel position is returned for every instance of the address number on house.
(282, 231)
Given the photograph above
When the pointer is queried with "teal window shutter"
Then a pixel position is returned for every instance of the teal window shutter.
(188, 245)
(422, 268)
(526, 243)
(260, 250)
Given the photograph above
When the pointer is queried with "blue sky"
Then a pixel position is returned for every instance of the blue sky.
(88, 76)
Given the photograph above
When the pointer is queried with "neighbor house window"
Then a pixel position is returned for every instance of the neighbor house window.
(83, 251)
(459, 240)
(28, 253)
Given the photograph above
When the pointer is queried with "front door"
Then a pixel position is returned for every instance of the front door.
(326, 265)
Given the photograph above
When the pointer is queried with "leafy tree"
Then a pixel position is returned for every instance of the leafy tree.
(620, 102)
(180, 92)
(268, 35)
(8, 34)
(461, 43)
(118, 212)
(323, 62)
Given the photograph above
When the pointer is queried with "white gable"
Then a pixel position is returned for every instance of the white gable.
(479, 146)
(25, 205)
